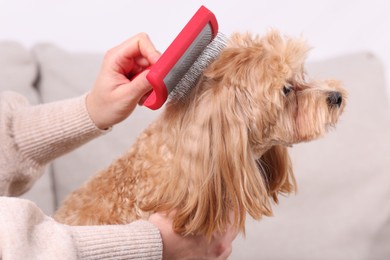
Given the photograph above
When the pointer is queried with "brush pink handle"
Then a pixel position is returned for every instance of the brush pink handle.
(157, 97)
(160, 70)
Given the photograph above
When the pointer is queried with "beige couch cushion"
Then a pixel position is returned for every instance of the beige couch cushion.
(342, 208)
(18, 72)
(66, 75)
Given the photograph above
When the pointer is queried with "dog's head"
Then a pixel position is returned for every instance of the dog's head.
(231, 133)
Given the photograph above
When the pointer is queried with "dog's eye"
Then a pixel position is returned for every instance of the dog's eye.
(287, 89)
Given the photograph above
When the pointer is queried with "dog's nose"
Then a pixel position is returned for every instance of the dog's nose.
(335, 98)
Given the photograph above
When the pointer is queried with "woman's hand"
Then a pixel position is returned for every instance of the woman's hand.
(114, 96)
(176, 246)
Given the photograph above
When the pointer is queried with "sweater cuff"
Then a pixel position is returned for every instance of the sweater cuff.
(138, 240)
(47, 131)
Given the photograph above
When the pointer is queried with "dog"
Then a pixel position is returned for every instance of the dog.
(222, 152)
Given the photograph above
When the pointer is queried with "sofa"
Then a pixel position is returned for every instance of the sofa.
(342, 207)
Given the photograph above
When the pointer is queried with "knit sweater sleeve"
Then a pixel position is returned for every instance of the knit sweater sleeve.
(32, 136)
(26, 233)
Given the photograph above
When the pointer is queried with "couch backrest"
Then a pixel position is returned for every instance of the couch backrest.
(341, 210)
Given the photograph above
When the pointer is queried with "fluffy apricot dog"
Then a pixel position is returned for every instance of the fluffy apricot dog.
(223, 150)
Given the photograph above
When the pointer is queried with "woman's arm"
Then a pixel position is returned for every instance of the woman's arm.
(32, 136)
(26, 233)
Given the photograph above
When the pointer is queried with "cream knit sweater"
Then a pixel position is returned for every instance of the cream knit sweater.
(30, 137)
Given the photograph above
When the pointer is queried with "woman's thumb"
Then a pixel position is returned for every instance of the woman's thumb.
(140, 87)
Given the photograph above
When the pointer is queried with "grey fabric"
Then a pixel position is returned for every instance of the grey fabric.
(18, 70)
(341, 210)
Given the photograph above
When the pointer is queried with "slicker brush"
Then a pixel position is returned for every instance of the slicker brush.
(179, 68)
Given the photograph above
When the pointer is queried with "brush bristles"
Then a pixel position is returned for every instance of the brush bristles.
(191, 77)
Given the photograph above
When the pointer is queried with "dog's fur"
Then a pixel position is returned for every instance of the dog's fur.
(223, 150)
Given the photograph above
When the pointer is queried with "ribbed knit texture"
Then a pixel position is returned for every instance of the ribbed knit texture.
(58, 127)
(140, 240)
(30, 137)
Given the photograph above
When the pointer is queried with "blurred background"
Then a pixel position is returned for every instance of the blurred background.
(341, 210)
(332, 27)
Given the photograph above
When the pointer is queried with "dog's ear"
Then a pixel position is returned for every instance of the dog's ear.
(214, 160)
(276, 167)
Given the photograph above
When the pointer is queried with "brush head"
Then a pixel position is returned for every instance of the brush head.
(193, 74)
(176, 62)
